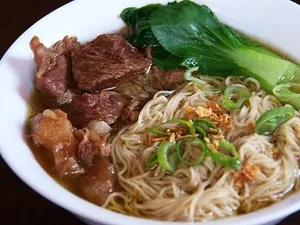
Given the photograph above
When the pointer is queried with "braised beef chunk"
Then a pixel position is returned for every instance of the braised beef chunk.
(54, 76)
(52, 130)
(91, 145)
(167, 79)
(142, 89)
(132, 109)
(76, 77)
(99, 180)
(106, 106)
(105, 62)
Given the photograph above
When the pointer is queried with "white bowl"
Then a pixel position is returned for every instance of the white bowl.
(275, 22)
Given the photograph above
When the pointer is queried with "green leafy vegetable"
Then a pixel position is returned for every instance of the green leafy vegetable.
(235, 96)
(165, 59)
(193, 33)
(269, 122)
(190, 35)
(137, 18)
(142, 37)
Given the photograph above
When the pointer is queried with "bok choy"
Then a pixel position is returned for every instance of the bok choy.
(188, 35)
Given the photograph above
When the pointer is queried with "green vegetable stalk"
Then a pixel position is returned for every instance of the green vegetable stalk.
(187, 35)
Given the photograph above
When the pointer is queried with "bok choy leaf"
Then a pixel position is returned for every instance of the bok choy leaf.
(185, 34)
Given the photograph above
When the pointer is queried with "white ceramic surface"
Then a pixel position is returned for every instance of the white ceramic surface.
(275, 22)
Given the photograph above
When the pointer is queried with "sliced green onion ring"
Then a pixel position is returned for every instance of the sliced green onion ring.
(232, 162)
(152, 160)
(167, 156)
(213, 84)
(188, 124)
(203, 126)
(180, 152)
(200, 130)
(155, 130)
(239, 93)
(269, 122)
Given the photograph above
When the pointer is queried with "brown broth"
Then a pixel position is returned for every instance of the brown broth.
(37, 104)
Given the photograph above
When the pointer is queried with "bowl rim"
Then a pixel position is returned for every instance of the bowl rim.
(271, 213)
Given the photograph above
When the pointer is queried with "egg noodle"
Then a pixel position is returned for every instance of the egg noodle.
(207, 191)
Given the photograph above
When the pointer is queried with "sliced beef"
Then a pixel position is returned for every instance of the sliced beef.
(107, 61)
(106, 106)
(91, 145)
(99, 180)
(52, 130)
(54, 75)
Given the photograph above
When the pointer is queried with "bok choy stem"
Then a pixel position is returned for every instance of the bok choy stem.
(186, 34)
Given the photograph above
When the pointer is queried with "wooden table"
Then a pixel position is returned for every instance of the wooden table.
(19, 204)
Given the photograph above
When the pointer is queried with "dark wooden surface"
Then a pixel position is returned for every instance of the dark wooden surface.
(18, 203)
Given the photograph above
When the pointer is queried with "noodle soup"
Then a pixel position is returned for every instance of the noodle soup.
(175, 118)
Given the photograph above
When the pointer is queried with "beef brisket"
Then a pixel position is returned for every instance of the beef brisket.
(106, 106)
(54, 75)
(105, 62)
(99, 180)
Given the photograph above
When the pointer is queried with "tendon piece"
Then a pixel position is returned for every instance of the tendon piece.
(106, 62)
(99, 127)
(53, 130)
(99, 180)
(91, 145)
(106, 106)
(54, 75)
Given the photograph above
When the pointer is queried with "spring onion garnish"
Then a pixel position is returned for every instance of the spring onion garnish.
(211, 83)
(152, 160)
(194, 140)
(223, 159)
(155, 130)
(288, 93)
(204, 126)
(188, 124)
(272, 119)
(235, 96)
(167, 156)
